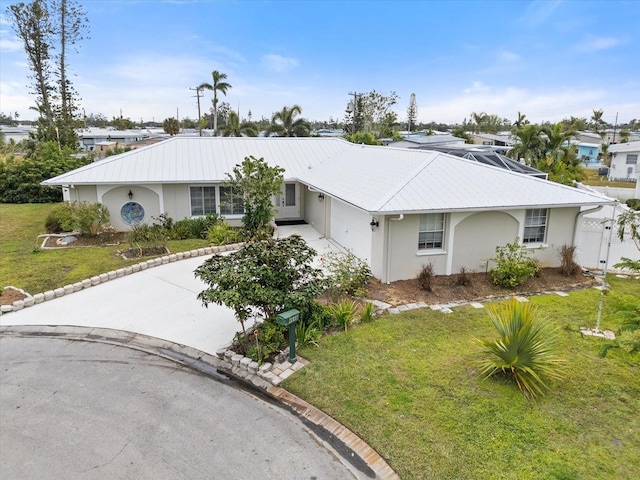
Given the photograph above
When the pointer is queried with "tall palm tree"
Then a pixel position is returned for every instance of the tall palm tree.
(521, 121)
(529, 144)
(234, 128)
(218, 85)
(597, 120)
(283, 123)
(555, 142)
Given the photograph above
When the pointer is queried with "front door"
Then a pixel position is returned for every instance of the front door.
(288, 202)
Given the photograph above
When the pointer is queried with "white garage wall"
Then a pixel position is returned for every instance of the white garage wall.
(350, 228)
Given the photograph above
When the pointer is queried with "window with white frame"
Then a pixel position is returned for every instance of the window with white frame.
(535, 225)
(632, 159)
(230, 202)
(431, 231)
(203, 200)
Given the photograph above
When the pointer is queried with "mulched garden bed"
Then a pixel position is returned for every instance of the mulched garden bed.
(446, 288)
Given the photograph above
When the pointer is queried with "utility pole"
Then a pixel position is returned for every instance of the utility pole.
(197, 95)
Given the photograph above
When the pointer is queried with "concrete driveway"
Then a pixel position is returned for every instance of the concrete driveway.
(160, 302)
(72, 409)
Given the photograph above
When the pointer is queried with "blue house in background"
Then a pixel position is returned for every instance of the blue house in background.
(588, 153)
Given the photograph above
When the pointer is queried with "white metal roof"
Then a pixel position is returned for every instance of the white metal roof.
(387, 181)
(374, 179)
(624, 147)
(202, 159)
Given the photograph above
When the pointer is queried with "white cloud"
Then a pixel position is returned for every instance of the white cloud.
(9, 43)
(509, 56)
(477, 87)
(506, 102)
(278, 63)
(539, 11)
(591, 44)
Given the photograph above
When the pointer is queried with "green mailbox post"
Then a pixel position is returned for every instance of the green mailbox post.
(289, 318)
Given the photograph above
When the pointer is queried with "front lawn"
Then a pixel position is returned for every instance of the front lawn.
(408, 385)
(24, 265)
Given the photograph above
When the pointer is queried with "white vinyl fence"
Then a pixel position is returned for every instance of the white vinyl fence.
(598, 239)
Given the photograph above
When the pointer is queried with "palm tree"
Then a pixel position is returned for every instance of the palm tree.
(283, 123)
(217, 86)
(555, 142)
(520, 122)
(171, 126)
(597, 120)
(234, 128)
(529, 144)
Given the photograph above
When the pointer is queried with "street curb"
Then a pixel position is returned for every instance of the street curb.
(219, 369)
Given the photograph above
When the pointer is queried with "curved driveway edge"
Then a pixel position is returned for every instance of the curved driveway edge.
(353, 448)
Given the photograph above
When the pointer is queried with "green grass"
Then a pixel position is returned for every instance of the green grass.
(596, 180)
(24, 265)
(408, 384)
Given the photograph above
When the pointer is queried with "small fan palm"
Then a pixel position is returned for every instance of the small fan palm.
(525, 349)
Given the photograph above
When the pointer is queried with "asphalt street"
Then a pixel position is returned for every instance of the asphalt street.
(71, 409)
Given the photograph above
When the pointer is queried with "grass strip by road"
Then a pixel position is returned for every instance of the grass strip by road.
(408, 384)
(24, 265)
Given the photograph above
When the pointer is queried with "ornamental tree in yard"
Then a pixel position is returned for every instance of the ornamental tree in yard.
(257, 183)
(263, 278)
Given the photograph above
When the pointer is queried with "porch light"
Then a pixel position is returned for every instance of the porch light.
(320, 197)
(374, 224)
(130, 194)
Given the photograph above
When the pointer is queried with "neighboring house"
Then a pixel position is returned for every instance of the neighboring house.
(613, 136)
(426, 141)
(328, 132)
(493, 140)
(589, 153)
(624, 161)
(17, 134)
(589, 137)
(397, 209)
(91, 137)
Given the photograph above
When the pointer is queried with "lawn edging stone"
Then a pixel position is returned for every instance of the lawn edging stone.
(30, 300)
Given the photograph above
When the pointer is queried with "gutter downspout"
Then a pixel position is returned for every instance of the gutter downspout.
(400, 217)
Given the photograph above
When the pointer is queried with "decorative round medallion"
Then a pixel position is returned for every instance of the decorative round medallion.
(132, 213)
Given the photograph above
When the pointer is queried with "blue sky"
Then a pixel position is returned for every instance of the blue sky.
(546, 59)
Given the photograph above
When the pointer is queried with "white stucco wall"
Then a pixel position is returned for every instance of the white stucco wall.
(176, 200)
(404, 261)
(315, 210)
(470, 241)
(350, 228)
(82, 193)
(560, 231)
(476, 236)
(116, 197)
